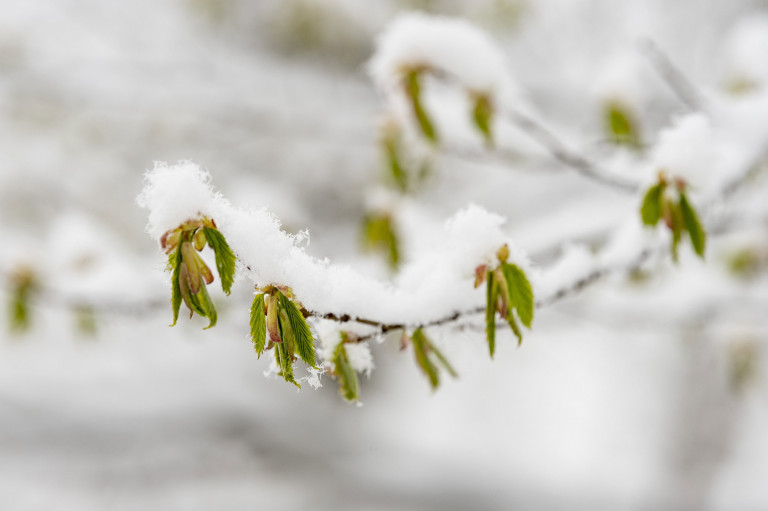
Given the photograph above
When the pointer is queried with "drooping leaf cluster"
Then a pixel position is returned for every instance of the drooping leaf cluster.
(677, 212)
(274, 312)
(508, 293)
(190, 274)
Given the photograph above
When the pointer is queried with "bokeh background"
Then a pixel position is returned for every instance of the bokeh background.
(644, 392)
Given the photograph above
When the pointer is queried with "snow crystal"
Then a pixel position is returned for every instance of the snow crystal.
(449, 45)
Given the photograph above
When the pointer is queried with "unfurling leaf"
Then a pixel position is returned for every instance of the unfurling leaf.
(23, 284)
(189, 273)
(273, 325)
(482, 115)
(679, 215)
(520, 292)
(225, 258)
(420, 342)
(299, 328)
(424, 350)
(289, 333)
(174, 263)
(674, 220)
(284, 358)
(510, 294)
(349, 386)
(206, 304)
(650, 211)
(512, 322)
(258, 324)
(693, 226)
(443, 361)
(379, 234)
(492, 293)
(622, 129)
(393, 154)
(413, 90)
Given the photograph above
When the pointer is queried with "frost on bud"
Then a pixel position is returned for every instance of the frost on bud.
(428, 356)
(677, 212)
(412, 84)
(276, 311)
(23, 285)
(189, 273)
(508, 293)
(482, 116)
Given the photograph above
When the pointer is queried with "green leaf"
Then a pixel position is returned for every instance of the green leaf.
(20, 319)
(490, 310)
(420, 347)
(206, 304)
(379, 233)
(348, 383)
(258, 324)
(23, 284)
(650, 211)
(396, 169)
(413, 89)
(621, 127)
(693, 226)
(675, 218)
(225, 258)
(441, 358)
(482, 114)
(520, 292)
(300, 330)
(190, 299)
(515, 328)
(174, 263)
(284, 359)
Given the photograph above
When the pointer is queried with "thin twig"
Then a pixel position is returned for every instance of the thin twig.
(560, 152)
(683, 88)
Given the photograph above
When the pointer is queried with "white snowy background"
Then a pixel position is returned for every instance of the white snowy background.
(621, 397)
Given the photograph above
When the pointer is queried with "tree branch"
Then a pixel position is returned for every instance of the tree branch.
(561, 153)
(685, 91)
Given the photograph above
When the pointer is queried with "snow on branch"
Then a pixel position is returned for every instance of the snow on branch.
(445, 45)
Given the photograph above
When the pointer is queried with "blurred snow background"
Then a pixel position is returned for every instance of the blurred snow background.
(647, 393)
